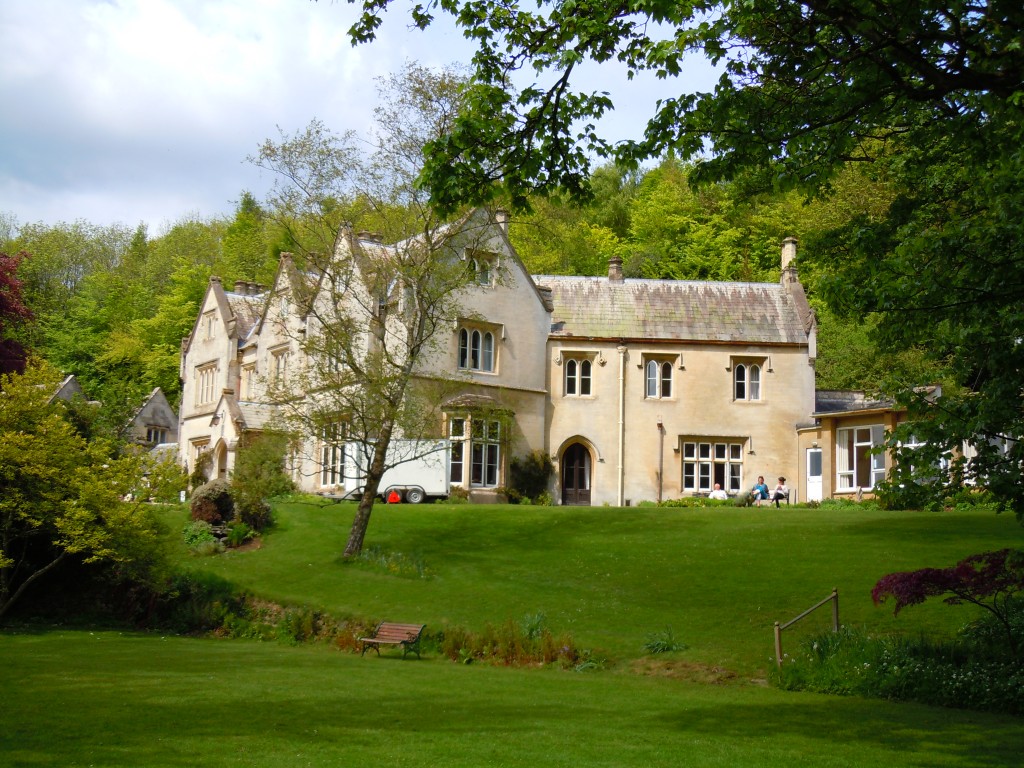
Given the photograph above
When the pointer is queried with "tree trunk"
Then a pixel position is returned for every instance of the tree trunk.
(374, 473)
(24, 585)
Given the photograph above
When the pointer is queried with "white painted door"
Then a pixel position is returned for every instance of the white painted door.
(813, 485)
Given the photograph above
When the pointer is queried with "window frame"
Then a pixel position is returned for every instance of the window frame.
(748, 379)
(859, 457)
(707, 460)
(332, 453)
(475, 451)
(206, 384)
(477, 348)
(577, 376)
(659, 378)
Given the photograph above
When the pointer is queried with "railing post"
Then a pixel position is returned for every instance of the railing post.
(835, 609)
(778, 645)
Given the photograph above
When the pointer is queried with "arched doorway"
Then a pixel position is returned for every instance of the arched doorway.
(576, 475)
(220, 468)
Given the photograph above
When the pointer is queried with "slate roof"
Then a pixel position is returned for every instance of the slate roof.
(247, 311)
(595, 307)
(836, 401)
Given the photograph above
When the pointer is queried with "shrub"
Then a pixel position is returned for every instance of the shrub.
(458, 495)
(201, 469)
(943, 673)
(198, 535)
(253, 512)
(239, 532)
(213, 502)
(529, 476)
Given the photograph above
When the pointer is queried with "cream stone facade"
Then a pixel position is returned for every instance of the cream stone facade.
(155, 423)
(637, 389)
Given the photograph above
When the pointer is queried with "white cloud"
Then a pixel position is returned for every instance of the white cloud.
(145, 110)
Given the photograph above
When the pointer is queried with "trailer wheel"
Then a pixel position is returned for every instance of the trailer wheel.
(393, 495)
(415, 495)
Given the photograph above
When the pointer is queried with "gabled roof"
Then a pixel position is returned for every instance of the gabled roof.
(156, 395)
(246, 310)
(599, 308)
(68, 389)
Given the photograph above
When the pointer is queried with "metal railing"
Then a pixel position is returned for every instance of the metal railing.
(833, 598)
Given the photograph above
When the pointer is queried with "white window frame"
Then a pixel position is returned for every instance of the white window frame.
(209, 324)
(332, 454)
(710, 460)
(856, 465)
(658, 379)
(280, 360)
(748, 380)
(206, 384)
(475, 452)
(578, 376)
(156, 435)
(478, 349)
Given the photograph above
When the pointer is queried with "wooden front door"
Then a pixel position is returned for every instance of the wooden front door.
(576, 475)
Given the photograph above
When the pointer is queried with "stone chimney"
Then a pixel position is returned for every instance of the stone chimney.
(241, 287)
(372, 237)
(546, 297)
(501, 218)
(615, 269)
(788, 252)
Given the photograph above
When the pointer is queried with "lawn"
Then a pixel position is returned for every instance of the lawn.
(611, 577)
(718, 577)
(103, 699)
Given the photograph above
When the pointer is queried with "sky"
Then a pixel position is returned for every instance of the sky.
(144, 111)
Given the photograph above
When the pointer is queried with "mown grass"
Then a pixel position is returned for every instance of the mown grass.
(611, 577)
(104, 699)
(719, 578)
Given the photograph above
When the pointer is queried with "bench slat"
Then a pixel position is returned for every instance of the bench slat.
(393, 633)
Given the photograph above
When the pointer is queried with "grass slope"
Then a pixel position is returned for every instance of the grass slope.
(611, 577)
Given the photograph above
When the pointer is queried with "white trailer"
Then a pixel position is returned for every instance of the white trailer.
(418, 470)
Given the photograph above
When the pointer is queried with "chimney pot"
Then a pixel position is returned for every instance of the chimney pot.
(501, 217)
(788, 252)
(615, 269)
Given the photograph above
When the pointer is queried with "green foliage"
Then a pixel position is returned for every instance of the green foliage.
(239, 533)
(260, 476)
(663, 642)
(529, 476)
(198, 534)
(64, 497)
(949, 673)
(213, 502)
(398, 564)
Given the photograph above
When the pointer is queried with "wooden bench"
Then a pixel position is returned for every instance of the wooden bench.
(390, 633)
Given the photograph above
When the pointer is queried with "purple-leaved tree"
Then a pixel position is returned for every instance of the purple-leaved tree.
(989, 580)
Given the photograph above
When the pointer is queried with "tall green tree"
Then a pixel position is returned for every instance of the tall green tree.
(932, 92)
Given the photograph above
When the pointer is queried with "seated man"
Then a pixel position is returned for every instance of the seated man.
(781, 492)
(718, 493)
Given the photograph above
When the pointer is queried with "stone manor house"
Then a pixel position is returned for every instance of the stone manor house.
(637, 389)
